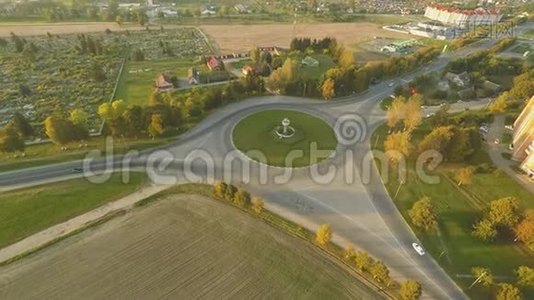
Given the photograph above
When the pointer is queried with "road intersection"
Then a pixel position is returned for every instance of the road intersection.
(353, 200)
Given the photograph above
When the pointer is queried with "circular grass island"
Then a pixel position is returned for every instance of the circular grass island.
(263, 132)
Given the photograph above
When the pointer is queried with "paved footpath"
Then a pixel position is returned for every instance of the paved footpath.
(57, 231)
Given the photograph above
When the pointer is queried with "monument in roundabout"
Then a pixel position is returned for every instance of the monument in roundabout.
(285, 131)
(281, 134)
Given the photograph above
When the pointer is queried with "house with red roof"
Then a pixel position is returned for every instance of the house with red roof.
(215, 63)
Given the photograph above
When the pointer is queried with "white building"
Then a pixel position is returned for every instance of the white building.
(462, 17)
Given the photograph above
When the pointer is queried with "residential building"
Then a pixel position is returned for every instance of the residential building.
(215, 63)
(523, 139)
(462, 17)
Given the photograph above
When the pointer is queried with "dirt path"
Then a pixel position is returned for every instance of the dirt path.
(53, 233)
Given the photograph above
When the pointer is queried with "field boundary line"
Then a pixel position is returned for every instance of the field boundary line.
(117, 81)
(43, 238)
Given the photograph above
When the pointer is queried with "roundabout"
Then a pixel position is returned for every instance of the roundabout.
(284, 138)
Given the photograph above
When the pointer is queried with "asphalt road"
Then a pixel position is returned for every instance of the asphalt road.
(344, 191)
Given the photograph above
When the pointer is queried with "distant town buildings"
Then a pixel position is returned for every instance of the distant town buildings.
(462, 17)
(523, 139)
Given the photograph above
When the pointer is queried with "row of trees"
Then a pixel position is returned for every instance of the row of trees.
(503, 216)
(164, 114)
(522, 89)
(88, 45)
(506, 291)
(238, 196)
(12, 135)
(323, 236)
(347, 77)
(361, 260)
(316, 45)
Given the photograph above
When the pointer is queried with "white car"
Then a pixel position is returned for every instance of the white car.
(391, 84)
(497, 141)
(418, 249)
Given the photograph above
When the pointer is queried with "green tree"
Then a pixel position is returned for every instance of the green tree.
(348, 253)
(438, 139)
(10, 140)
(257, 205)
(328, 89)
(156, 127)
(134, 118)
(464, 175)
(219, 190)
(523, 86)
(484, 275)
(413, 116)
(230, 192)
(109, 111)
(362, 260)
(504, 211)
(525, 276)
(346, 59)
(97, 72)
(508, 292)
(396, 111)
(242, 198)
(254, 54)
(500, 104)
(524, 230)
(62, 131)
(79, 117)
(29, 52)
(397, 146)
(138, 55)
(461, 144)
(282, 77)
(380, 272)
(21, 125)
(423, 215)
(485, 230)
(410, 290)
(323, 235)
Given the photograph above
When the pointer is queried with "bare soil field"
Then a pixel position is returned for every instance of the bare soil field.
(180, 247)
(239, 38)
(28, 29)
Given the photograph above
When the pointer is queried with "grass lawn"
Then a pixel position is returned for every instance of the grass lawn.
(386, 103)
(240, 64)
(27, 211)
(521, 48)
(458, 209)
(529, 33)
(137, 80)
(325, 63)
(42, 154)
(256, 132)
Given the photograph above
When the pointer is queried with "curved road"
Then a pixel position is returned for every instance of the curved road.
(344, 191)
